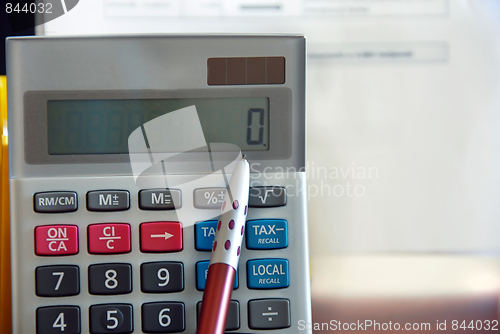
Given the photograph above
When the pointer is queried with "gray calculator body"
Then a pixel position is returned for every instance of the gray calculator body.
(47, 191)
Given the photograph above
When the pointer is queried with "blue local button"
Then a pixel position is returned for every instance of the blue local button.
(268, 274)
(201, 275)
(205, 235)
(267, 234)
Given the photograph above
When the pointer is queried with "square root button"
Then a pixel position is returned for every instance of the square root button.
(161, 237)
(266, 197)
(109, 238)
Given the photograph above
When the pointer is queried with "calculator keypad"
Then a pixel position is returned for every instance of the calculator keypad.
(57, 281)
(111, 318)
(158, 276)
(162, 277)
(58, 319)
(110, 279)
(163, 317)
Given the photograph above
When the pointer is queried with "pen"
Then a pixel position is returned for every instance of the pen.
(225, 253)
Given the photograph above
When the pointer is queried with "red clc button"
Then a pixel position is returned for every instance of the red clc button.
(109, 238)
(56, 240)
(161, 237)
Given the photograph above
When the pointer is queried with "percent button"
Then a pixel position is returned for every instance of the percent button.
(209, 198)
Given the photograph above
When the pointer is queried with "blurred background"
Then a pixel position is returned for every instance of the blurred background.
(403, 144)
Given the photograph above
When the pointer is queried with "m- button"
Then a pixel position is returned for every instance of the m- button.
(110, 238)
(159, 199)
(108, 200)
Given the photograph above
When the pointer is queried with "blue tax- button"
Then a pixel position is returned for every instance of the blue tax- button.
(205, 234)
(201, 275)
(267, 234)
(267, 274)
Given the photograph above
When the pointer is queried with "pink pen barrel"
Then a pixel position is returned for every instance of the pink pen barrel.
(217, 297)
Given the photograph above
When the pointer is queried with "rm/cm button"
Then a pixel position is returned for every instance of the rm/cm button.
(55, 202)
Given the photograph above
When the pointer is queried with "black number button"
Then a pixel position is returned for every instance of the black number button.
(58, 319)
(233, 315)
(110, 279)
(111, 318)
(57, 281)
(163, 317)
(158, 277)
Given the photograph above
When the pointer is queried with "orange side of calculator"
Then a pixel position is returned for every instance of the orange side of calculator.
(5, 296)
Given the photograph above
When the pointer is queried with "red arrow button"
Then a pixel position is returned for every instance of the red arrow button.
(161, 237)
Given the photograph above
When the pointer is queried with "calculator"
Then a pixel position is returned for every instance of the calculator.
(100, 244)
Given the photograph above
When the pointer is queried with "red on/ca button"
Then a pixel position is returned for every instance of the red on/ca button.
(161, 237)
(109, 238)
(56, 240)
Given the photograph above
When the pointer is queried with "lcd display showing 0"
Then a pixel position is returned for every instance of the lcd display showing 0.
(103, 126)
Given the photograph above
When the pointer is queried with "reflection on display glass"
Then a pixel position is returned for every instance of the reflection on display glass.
(103, 126)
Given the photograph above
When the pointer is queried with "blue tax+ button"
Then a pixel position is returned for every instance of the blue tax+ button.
(205, 235)
(267, 234)
(268, 274)
(201, 275)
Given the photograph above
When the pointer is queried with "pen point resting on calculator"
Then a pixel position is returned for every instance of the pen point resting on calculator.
(225, 252)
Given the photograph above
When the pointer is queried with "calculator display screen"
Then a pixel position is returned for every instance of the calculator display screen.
(103, 126)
